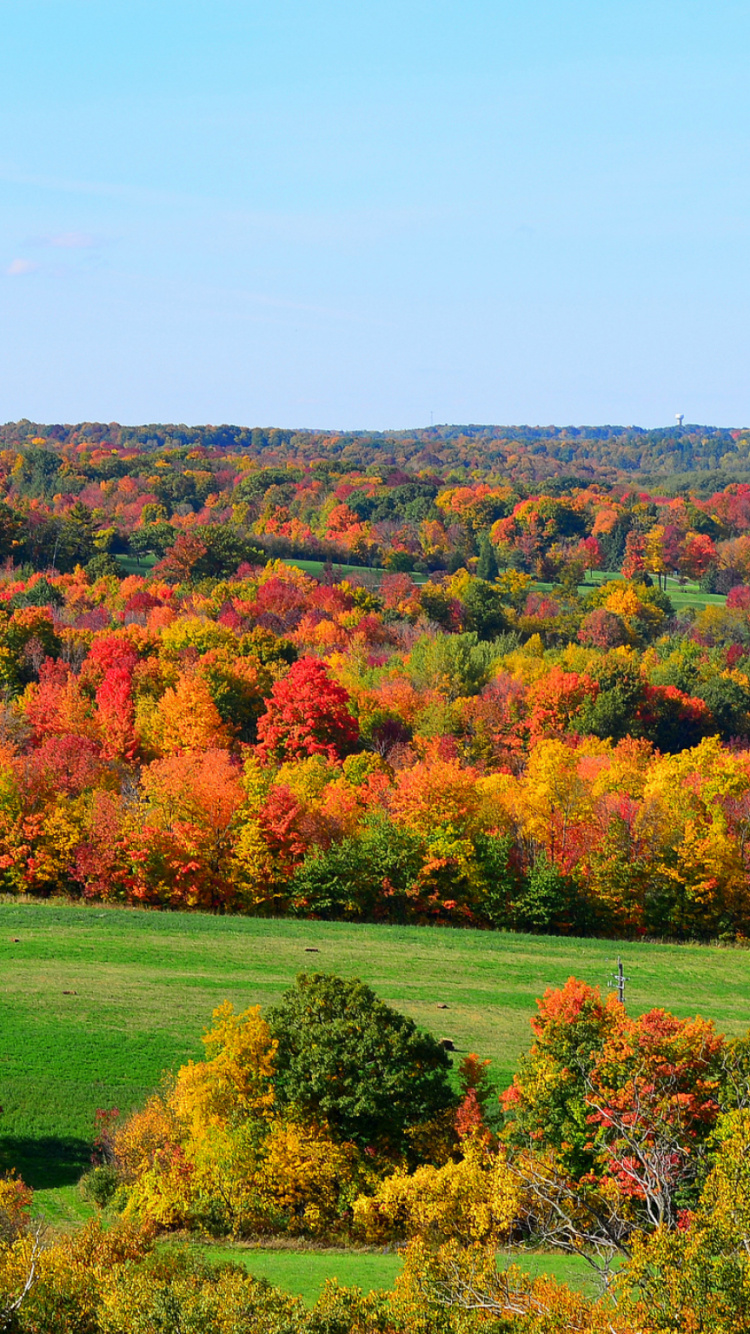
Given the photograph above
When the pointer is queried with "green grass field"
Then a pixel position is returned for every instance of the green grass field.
(367, 574)
(303, 1272)
(98, 1002)
(136, 564)
(684, 595)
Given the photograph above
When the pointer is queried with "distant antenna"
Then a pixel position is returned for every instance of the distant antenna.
(431, 422)
(679, 418)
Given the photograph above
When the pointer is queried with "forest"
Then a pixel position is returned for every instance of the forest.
(250, 676)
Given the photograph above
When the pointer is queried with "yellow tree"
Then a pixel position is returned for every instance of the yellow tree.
(186, 718)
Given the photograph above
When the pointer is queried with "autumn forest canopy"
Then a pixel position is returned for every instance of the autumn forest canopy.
(472, 675)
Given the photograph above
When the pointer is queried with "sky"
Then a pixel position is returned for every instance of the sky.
(375, 214)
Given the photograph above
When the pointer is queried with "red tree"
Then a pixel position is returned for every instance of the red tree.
(182, 558)
(116, 715)
(603, 629)
(307, 714)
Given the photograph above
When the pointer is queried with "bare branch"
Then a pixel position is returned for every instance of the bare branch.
(7, 1312)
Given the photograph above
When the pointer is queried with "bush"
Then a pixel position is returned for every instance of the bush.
(100, 1184)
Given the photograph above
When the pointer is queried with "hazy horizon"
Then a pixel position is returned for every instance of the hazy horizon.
(400, 430)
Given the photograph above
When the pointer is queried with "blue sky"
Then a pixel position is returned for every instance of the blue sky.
(348, 215)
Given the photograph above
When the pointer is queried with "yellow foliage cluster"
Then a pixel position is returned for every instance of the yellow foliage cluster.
(475, 1200)
(211, 1153)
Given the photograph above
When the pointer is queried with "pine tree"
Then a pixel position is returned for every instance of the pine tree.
(487, 563)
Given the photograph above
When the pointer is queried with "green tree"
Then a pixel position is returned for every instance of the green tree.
(487, 563)
(365, 876)
(454, 665)
(347, 1059)
(548, 900)
(483, 606)
(614, 712)
(729, 703)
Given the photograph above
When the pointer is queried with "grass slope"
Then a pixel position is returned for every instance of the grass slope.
(98, 1002)
(681, 594)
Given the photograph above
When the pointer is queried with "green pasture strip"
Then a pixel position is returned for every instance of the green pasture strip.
(136, 565)
(570, 1269)
(303, 1272)
(97, 1002)
(63, 1207)
(370, 574)
(688, 594)
(681, 595)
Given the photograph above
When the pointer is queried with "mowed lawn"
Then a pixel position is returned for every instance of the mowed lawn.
(98, 1002)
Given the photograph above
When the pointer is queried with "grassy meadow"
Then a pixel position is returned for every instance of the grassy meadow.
(370, 575)
(97, 1001)
(682, 595)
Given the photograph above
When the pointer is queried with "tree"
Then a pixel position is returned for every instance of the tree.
(653, 1099)
(546, 1103)
(307, 714)
(484, 609)
(602, 629)
(347, 1059)
(183, 557)
(116, 715)
(487, 563)
(238, 686)
(365, 876)
(453, 665)
(548, 899)
(187, 718)
(184, 840)
(729, 702)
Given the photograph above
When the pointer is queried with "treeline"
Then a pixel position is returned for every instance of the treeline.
(603, 452)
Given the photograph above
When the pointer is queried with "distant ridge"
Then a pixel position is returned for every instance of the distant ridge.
(586, 453)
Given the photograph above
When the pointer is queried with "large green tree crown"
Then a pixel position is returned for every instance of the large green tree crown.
(353, 1062)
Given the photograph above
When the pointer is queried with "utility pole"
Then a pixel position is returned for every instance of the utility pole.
(618, 982)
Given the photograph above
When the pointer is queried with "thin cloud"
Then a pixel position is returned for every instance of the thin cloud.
(72, 241)
(17, 267)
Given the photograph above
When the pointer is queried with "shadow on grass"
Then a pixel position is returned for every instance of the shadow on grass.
(47, 1161)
